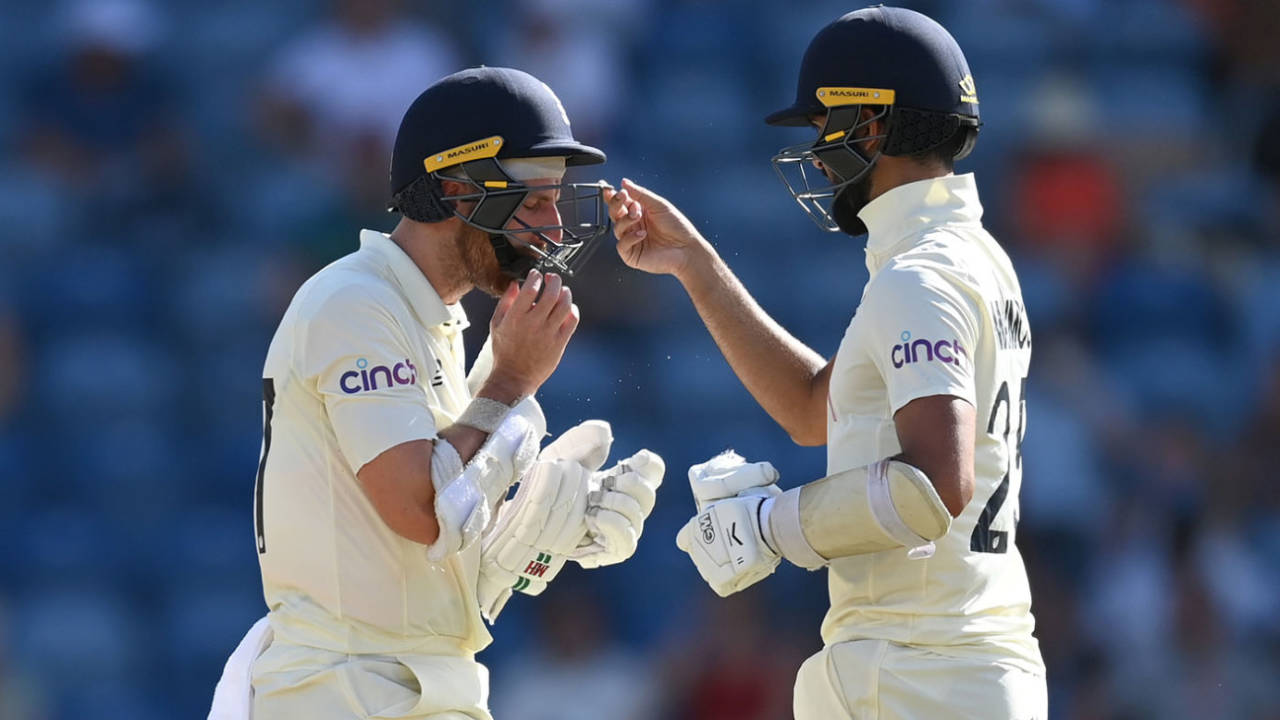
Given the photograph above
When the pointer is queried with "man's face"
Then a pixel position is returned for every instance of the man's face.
(476, 253)
(539, 209)
(848, 202)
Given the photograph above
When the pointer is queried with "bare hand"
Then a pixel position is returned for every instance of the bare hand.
(652, 234)
(529, 336)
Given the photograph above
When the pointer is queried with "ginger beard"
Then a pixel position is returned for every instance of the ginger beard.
(475, 251)
(479, 263)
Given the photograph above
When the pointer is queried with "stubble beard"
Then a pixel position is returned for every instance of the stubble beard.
(849, 202)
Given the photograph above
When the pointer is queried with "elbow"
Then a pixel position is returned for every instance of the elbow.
(430, 533)
(428, 529)
(808, 439)
(956, 496)
(808, 434)
(417, 525)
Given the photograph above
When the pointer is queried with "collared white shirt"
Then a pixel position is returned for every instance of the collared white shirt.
(941, 314)
(367, 357)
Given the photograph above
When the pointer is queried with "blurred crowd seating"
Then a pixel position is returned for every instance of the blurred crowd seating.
(170, 173)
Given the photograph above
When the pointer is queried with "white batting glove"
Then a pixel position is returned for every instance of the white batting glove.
(545, 522)
(726, 539)
(621, 498)
(727, 544)
(728, 475)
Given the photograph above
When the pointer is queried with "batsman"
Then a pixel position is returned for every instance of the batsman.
(384, 528)
(922, 409)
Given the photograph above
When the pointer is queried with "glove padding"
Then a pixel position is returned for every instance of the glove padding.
(621, 498)
(536, 530)
(728, 475)
(566, 509)
(725, 538)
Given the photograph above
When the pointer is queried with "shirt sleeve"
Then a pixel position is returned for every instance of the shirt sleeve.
(481, 368)
(921, 332)
(356, 351)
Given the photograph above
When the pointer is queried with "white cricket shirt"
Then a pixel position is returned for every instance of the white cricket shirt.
(366, 357)
(941, 314)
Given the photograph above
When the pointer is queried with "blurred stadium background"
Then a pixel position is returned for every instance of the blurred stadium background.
(171, 171)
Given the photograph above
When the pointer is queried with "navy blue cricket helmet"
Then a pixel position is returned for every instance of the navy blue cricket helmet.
(897, 61)
(463, 128)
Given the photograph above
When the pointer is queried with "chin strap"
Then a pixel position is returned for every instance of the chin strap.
(513, 264)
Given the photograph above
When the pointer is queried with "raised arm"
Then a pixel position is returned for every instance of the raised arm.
(786, 377)
(528, 340)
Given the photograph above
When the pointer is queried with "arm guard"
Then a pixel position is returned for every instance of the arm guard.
(870, 509)
(466, 497)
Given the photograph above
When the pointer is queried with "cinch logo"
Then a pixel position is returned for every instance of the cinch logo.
(947, 351)
(366, 378)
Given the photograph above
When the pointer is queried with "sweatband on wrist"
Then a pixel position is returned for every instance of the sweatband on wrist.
(483, 414)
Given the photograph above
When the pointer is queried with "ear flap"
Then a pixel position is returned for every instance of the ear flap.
(912, 131)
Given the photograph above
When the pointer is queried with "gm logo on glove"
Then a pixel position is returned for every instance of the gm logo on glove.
(708, 528)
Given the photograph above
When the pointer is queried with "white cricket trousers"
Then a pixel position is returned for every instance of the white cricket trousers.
(291, 682)
(880, 680)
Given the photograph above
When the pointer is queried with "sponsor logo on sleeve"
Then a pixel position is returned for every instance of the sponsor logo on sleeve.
(365, 378)
(909, 351)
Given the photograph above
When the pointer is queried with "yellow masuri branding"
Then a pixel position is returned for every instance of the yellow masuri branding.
(486, 148)
(836, 96)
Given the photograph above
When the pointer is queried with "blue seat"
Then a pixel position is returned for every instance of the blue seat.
(72, 634)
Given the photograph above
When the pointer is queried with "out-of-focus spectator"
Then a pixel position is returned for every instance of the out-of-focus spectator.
(1245, 31)
(11, 365)
(101, 122)
(17, 468)
(327, 117)
(1067, 202)
(20, 698)
(353, 75)
(580, 53)
(576, 670)
(734, 668)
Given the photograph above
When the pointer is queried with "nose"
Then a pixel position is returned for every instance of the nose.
(549, 214)
(544, 215)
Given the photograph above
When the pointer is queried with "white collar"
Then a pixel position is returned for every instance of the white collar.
(906, 211)
(426, 302)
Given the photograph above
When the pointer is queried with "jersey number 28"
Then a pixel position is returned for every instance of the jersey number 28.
(984, 539)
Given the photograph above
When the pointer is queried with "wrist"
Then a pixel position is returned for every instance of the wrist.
(506, 390)
(700, 261)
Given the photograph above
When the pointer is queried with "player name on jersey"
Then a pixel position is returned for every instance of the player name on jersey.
(1009, 318)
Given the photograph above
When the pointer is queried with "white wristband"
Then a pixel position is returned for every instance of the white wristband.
(483, 414)
(781, 525)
